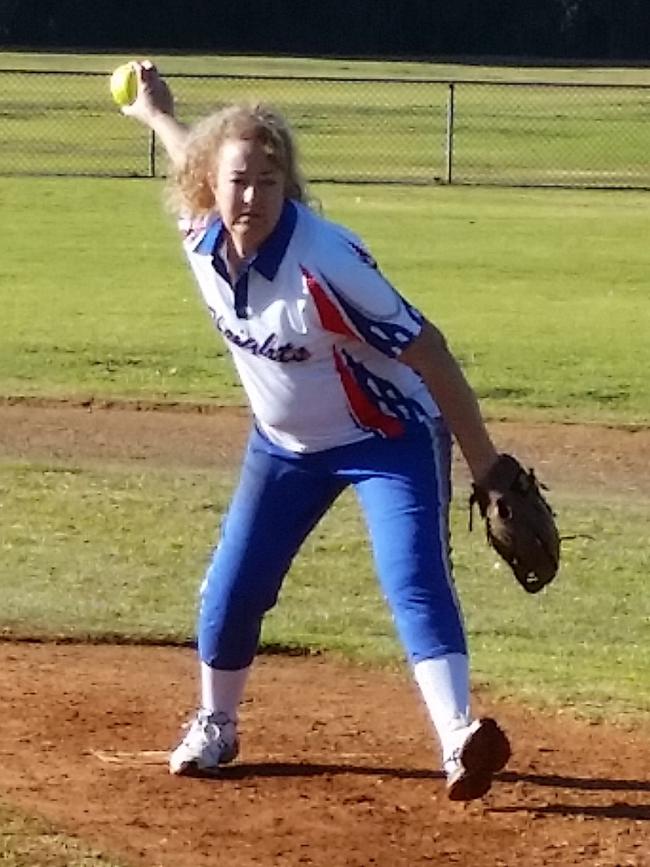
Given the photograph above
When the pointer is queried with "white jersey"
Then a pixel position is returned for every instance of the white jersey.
(315, 331)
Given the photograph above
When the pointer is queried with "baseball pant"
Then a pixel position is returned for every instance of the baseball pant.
(403, 486)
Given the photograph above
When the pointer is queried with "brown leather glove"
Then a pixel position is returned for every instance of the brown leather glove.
(520, 524)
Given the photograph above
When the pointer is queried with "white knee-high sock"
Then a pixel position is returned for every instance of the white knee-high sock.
(444, 684)
(222, 691)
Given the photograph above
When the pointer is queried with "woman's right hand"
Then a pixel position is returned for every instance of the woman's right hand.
(154, 96)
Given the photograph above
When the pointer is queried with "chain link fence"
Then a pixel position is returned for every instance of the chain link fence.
(351, 129)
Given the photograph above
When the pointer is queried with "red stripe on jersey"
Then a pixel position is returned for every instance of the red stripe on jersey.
(330, 316)
(363, 409)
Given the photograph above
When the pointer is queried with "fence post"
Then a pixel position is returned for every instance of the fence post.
(449, 143)
(152, 154)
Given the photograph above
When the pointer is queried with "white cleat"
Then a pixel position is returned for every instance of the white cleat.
(471, 767)
(211, 741)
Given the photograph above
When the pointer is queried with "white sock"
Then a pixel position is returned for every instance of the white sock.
(222, 691)
(444, 684)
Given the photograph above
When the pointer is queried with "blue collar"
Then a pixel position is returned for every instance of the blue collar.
(211, 238)
(271, 252)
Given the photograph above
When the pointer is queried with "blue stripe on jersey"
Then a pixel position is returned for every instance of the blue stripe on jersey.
(383, 393)
(387, 337)
(241, 296)
(210, 239)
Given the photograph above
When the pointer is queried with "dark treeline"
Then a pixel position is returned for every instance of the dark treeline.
(554, 29)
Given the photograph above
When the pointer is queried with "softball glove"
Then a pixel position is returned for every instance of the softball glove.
(519, 523)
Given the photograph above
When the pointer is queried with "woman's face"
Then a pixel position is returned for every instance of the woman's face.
(249, 193)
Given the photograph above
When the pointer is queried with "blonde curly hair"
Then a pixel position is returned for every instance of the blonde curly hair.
(189, 189)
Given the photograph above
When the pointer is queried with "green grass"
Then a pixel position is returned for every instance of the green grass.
(29, 842)
(541, 293)
(114, 545)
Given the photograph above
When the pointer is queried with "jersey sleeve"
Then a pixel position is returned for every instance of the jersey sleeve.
(353, 298)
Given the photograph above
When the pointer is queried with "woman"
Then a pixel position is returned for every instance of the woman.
(348, 385)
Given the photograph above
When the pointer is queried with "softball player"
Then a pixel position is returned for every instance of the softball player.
(349, 385)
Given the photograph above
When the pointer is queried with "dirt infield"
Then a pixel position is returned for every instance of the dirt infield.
(338, 764)
(585, 457)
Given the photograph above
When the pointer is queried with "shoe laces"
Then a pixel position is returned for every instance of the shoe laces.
(218, 727)
(207, 717)
(453, 760)
(208, 724)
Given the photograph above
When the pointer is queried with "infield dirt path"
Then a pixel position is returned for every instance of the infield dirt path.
(338, 765)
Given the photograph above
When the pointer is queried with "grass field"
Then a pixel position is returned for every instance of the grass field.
(29, 842)
(561, 273)
(542, 294)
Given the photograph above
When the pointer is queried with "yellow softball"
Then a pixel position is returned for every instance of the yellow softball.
(124, 84)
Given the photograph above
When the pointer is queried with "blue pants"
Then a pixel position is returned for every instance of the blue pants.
(403, 486)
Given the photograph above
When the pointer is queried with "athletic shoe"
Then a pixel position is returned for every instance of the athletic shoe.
(211, 741)
(471, 767)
